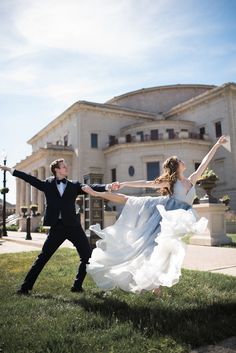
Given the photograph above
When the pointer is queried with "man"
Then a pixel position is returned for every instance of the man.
(60, 214)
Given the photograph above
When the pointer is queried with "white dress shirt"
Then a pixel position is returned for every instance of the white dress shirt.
(61, 188)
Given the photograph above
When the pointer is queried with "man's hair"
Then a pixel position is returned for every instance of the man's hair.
(56, 164)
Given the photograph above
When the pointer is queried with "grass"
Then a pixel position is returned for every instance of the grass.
(199, 310)
(233, 237)
(233, 244)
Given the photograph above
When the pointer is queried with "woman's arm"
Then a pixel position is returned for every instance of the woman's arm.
(117, 198)
(206, 160)
(144, 184)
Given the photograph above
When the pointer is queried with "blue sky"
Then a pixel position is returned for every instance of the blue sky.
(56, 52)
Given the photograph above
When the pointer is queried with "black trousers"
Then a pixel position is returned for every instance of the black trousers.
(57, 235)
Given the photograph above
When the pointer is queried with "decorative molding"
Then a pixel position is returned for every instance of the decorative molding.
(156, 143)
(204, 97)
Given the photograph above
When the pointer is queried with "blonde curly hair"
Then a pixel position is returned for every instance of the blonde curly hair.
(170, 174)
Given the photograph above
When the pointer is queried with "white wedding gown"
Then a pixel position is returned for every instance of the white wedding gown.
(143, 249)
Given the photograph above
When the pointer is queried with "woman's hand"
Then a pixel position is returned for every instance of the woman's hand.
(122, 185)
(114, 186)
(221, 140)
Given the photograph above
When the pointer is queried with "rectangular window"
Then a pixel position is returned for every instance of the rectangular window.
(112, 140)
(128, 138)
(202, 132)
(140, 133)
(94, 140)
(66, 140)
(113, 175)
(171, 133)
(218, 129)
(153, 170)
(154, 134)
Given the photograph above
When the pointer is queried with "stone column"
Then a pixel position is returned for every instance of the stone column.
(22, 222)
(18, 195)
(22, 194)
(34, 191)
(41, 176)
(28, 195)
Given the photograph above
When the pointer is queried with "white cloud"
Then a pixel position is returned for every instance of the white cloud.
(138, 39)
(121, 29)
(23, 74)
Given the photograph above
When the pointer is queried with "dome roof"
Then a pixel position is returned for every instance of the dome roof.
(161, 98)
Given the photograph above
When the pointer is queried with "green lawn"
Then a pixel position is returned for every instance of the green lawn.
(199, 310)
(233, 237)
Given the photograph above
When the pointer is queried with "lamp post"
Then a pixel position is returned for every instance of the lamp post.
(4, 191)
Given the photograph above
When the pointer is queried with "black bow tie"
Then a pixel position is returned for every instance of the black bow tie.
(61, 181)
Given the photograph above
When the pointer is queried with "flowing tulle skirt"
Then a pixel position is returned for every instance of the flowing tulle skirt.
(143, 249)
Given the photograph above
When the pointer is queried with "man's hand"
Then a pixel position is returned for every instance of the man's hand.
(90, 191)
(113, 186)
(4, 167)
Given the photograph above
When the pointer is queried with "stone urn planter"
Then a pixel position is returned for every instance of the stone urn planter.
(208, 182)
(24, 210)
(34, 210)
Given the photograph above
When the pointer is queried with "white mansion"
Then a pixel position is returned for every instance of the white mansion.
(129, 137)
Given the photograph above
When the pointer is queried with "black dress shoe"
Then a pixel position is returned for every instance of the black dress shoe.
(77, 289)
(23, 291)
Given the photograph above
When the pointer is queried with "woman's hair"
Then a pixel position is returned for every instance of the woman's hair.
(56, 164)
(170, 175)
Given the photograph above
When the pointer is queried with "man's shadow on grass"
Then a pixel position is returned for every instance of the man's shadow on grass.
(196, 326)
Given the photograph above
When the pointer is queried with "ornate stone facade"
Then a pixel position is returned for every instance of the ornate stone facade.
(129, 137)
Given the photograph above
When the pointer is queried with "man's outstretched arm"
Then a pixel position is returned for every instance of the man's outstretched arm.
(98, 187)
(38, 184)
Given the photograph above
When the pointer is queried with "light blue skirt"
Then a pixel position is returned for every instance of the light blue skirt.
(143, 249)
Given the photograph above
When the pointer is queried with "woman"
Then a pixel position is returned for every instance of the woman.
(143, 249)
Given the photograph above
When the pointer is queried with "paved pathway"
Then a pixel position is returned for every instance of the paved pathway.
(202, 258)
(16, 242)
(226, 346)
(211, 258)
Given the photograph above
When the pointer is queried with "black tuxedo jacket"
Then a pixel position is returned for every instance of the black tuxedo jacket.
(55, 203)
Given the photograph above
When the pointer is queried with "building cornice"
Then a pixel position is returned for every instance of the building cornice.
(190, 103)
(40, 154)
(156, 143)
(85, 105)
(118, 109)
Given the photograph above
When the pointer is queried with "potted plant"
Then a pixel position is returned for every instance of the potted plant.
(225, 199)
(34, 209)
(208, 181)
(24, 209)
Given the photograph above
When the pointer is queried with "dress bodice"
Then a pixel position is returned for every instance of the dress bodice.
(181, 194)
